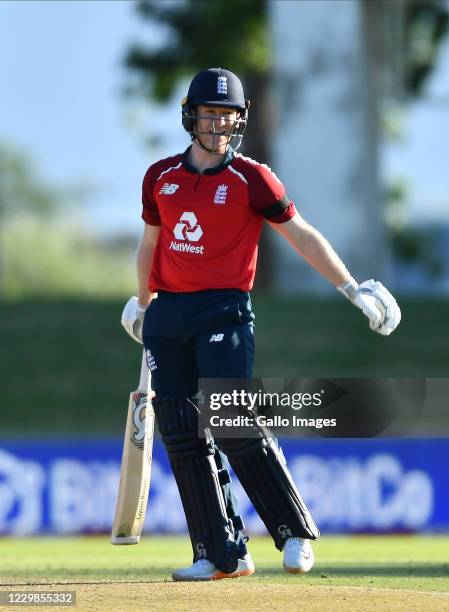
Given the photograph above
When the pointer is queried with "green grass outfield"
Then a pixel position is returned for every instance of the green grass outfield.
(396, 562)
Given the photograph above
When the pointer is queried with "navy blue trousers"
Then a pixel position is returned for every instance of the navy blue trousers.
(203, 334)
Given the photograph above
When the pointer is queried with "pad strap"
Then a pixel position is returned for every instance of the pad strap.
(228, 495)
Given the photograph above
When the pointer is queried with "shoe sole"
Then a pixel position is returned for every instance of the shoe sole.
(296, 570)
(245, 572)
(217, 576)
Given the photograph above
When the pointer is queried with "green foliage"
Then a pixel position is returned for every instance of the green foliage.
(410, 244)
(43, 255)
(235, 33)
(397, 194)
(54, 258)
(213, 32)
(20, 189)
(426, 24)
(415, 245)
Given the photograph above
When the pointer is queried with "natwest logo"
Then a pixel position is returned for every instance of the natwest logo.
(187, 229)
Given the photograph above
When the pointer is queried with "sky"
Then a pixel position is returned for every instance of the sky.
(62, 77)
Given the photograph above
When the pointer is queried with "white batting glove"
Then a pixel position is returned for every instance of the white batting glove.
(376, 303)
(132, 318)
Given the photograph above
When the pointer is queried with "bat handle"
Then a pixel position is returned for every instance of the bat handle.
(145, 377)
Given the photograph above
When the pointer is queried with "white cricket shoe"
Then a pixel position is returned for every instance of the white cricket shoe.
(298, 556)
(205, 570)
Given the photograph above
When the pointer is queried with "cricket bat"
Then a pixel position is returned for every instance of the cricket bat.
(135, 470)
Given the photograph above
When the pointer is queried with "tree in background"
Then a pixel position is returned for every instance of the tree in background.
(425, 27)
(44, 253)
(20, 189)
(410, 36)
(20, 192)
(235, 34)
(200, 35)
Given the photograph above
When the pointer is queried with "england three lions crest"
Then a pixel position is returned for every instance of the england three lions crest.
(222, 85)
(220, 194)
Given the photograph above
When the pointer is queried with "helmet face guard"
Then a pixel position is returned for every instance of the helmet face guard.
(215, 87)
(234, 133)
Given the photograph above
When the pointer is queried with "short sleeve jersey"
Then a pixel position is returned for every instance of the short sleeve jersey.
(210, 222)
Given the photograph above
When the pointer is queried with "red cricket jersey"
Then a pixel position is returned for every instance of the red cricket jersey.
(210, 222)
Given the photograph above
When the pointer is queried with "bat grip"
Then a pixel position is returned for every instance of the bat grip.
(145, 378)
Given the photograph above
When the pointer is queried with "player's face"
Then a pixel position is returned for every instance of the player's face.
(215, 125)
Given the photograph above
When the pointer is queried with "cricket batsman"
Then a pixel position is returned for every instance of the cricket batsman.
(203, 211)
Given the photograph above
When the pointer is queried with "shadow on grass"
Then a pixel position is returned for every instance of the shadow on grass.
(118, 574)
(428, 570)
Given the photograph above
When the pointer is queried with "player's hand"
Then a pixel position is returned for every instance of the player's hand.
(132, 318)
(376, 303)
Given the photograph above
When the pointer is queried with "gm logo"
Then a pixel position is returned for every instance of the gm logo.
(201, 550)
(285, 531)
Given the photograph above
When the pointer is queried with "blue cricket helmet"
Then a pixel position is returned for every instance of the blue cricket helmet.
(215, 87)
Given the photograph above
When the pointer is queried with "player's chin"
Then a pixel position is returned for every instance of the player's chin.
(218, 144)
(221, 146)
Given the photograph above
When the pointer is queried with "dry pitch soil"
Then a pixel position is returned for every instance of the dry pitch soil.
(240, 595)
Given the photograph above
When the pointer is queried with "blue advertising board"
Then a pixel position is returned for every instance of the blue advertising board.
(378, 485)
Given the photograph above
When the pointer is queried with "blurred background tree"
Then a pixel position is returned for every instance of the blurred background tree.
(47, 250)
(200, 35)
(21, 192)
(409, 37)
(20, 189)
(425, 26)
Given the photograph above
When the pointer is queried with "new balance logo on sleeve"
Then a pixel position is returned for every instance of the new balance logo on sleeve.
(169, 188)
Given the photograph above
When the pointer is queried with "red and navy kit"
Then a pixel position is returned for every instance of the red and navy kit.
(210, 222)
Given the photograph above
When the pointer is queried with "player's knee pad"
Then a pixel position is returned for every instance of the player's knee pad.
(262, 470)
(177, 419)
(198, 479)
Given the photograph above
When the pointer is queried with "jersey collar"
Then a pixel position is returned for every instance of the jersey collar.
(215, 170)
